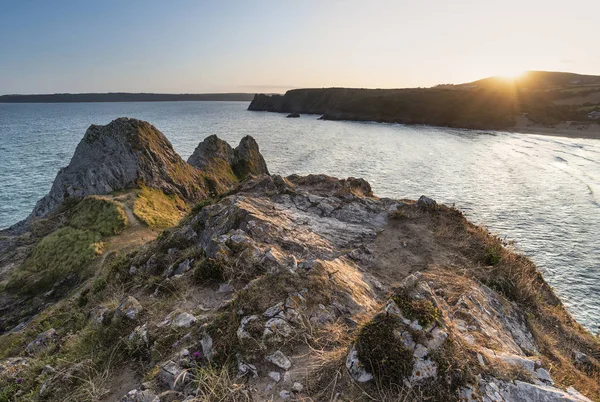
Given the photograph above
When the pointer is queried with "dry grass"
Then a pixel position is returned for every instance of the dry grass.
(157, 209)
(216, 384)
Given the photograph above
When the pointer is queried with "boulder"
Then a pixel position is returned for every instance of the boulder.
(293, 115)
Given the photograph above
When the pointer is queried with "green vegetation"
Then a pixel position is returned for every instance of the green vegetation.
(65, 252)
(416, 309)
(157, 209)
(381, 352)
(99, 215)
(493, 253)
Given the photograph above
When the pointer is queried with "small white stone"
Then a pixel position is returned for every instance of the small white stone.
(280, 360)
(275, 375)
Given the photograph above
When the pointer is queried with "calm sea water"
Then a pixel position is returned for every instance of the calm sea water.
(543, 192)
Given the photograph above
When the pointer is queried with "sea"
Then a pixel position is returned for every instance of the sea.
(541, 192)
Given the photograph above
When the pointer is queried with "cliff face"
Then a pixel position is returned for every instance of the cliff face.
(439, 107)
(305, 288)
(123, 154)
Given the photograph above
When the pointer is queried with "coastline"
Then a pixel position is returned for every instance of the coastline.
(559, 132)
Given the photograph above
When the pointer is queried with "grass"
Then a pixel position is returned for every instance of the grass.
(216, 384)
(99, 215)
(157, 209)
(67, 251)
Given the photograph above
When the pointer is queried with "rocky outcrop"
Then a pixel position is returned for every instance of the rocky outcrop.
(308, 288)
(122, 154)
(312, 254)
(216, 155)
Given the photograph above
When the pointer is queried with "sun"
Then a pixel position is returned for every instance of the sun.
(512, 74)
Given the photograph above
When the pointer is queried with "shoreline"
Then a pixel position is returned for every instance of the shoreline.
(559, 132)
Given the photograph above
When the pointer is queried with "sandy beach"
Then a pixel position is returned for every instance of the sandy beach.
(566, 129)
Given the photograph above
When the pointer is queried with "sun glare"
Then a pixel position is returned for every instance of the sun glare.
(512, 74)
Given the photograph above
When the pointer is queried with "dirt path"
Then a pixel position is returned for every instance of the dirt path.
(135, 234)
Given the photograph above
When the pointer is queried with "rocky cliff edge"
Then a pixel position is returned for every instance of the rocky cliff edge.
(307, 288)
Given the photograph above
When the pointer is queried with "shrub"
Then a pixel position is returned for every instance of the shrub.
(209, 270)
(381, 352)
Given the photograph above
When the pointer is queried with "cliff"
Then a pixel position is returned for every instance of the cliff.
(300, 288)
(438, 107)
(546, 98)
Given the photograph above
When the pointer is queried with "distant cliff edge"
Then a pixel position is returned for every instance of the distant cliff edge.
(543, 98)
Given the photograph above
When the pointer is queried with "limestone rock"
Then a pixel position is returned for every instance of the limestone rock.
(173, 376)
(129, 308)
(183, 320)
(42, 342)
(214, 154)
(280, 360)
(121, 155)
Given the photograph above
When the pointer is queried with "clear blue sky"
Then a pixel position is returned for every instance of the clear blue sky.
(246, 46)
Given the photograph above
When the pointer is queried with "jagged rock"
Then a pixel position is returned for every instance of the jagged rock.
(277, 328)
(139, 396)
(42, 342)
(214, 154)
(246, 369)
(242, 332)
(173, 376)
(426, 202)
(129, 308)
(121, 155)
(139, 336)
(275, 375)
(280, 360)
(184, 320)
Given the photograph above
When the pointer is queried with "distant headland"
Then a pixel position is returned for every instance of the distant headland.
(542, 102)
(124, 97)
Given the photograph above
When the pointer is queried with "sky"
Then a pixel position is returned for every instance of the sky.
(196, 46)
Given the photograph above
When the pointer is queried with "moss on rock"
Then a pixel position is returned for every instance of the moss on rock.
(421, 310)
